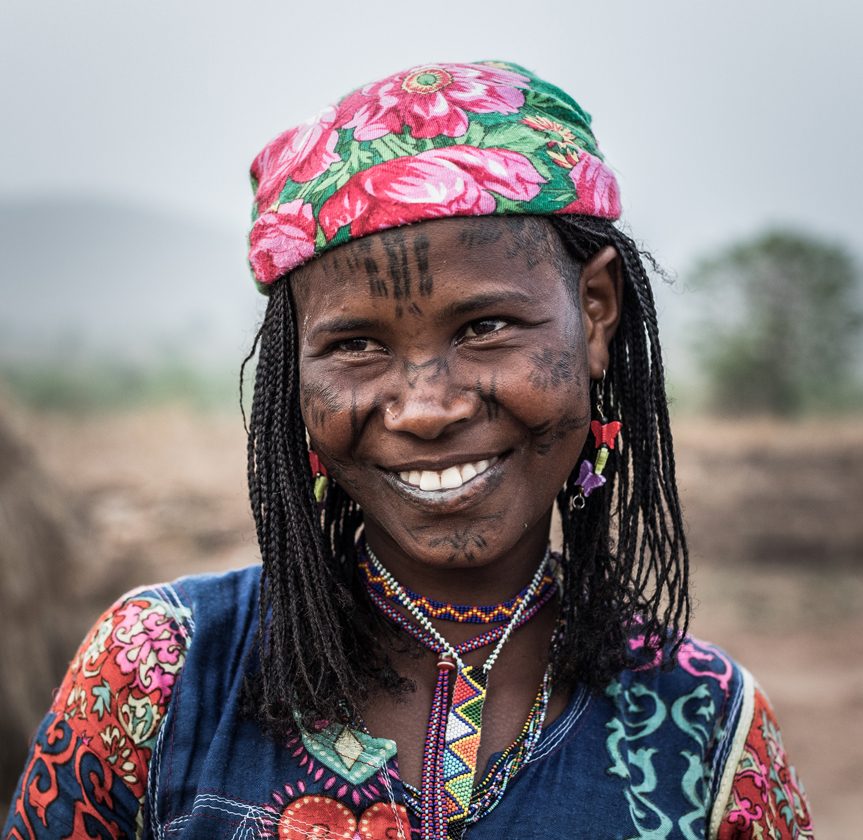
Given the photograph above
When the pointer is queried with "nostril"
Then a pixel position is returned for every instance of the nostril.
(425, 418)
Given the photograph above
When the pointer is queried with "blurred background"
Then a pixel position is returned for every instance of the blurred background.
(126, 305)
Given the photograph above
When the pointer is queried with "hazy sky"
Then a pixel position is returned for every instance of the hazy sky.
(719, 118)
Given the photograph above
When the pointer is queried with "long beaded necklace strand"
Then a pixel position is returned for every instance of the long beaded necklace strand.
(488, 791)
(454, 729)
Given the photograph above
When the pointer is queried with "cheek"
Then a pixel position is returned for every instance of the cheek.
(320, 402)
(550, 393)
(334, 413)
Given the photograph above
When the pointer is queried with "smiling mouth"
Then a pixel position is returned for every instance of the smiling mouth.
(450, 478)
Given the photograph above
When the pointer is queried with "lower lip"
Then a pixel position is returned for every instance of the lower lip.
(443, 501)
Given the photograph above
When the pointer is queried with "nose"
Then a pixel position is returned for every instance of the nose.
(428, 401)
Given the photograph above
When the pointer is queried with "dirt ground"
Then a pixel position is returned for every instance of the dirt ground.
(774, 515)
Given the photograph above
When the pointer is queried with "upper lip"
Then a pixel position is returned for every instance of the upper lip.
(442, 463)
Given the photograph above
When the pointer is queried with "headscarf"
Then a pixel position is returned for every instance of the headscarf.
(431, 142)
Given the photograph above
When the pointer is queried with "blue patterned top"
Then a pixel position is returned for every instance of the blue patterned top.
(146, 739)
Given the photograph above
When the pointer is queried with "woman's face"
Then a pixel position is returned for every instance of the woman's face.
(445, 371)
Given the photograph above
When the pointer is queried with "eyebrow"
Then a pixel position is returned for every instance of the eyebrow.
(484, 301)
(344, 325)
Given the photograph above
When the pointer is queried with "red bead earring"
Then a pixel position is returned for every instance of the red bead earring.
(320, 477)
(605, 434)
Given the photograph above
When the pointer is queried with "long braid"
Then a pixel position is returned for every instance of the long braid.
(638, 585)
(300, 639)
(625, 558)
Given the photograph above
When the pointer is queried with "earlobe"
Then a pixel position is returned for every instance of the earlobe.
(601, 295)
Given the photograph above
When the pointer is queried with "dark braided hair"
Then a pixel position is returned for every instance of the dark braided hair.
(625, 561)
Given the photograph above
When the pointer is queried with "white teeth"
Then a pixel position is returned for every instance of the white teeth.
(468, 471)
(429, 480)
(449, 479)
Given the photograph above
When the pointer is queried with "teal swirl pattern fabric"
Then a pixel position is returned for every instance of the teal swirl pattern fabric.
(146, 738)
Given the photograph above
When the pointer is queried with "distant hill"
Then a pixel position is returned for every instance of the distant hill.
(81, 278)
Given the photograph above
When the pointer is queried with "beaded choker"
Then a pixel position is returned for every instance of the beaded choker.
(455, 725)
(470, 613)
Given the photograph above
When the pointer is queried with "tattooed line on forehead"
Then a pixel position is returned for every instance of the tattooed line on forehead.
(481, 231)
(529, 238)
(398, 267)
(421, 253)
(377, 284)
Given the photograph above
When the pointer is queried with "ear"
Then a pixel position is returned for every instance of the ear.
(601, 296)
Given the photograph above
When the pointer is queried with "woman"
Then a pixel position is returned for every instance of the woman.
(457, 338)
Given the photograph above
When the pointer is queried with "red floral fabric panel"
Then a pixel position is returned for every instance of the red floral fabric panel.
(86, 774)
(767, 800)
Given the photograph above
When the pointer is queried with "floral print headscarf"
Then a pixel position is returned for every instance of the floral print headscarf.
(430, 142)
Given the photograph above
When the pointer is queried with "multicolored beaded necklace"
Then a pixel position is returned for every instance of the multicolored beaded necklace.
(448, 794)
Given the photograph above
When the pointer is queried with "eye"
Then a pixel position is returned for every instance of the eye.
(483, 327)
(358, 345)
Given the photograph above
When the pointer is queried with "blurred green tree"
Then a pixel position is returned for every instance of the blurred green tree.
(779, 324)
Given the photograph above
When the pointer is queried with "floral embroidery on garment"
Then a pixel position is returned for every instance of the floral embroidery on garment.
(87, 770)
(347, 790)
(320, 816)
(767, 800)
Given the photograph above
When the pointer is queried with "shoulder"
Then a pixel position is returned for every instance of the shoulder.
(215, 597)
(710, 708)
(98, 739)
(690, 708)
(699, 668)
(120, 682)
(760, 793)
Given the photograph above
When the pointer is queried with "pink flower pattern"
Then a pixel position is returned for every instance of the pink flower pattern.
(432, 141)
(281, 240)
(147, 645)
(301, 153)
(691, 654)
(432, 100)
(454, 181)
(595, 187)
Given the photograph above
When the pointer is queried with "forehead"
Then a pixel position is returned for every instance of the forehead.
(432, 258)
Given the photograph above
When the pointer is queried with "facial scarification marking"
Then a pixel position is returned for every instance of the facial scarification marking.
(463, 542)
(421, 254)
(377, 284)
(479, 232)
(398, 267)
(429, 370)
(319, 403)
(355, 417)
(553, 368)
(352, 259)
(488, 395)
(544, 435)
(529, 239)
(331, 266)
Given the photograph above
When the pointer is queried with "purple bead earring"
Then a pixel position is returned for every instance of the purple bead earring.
(605, 434)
